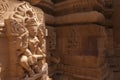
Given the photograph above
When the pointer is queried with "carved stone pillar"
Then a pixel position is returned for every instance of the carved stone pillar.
(22, 35)
(81, 40)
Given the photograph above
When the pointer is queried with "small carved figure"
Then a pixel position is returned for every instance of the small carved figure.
(32, 52)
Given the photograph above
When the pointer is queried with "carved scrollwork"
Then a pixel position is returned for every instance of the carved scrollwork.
(17, 29)
(3, 6)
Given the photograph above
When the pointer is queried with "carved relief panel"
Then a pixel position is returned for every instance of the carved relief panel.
(73, 42)
(26, 35)
(51, 38)
(53, 57)
(79, 39)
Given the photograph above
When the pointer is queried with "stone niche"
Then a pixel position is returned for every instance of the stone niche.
(22, 42)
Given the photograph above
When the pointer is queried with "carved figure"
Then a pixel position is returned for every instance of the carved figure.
(32, 52)
(23, 28)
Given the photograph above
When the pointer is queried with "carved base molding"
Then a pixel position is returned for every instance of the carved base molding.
(99, 73)
(81, 18)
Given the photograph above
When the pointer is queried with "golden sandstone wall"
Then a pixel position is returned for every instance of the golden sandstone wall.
(83, 30)
(82, 39)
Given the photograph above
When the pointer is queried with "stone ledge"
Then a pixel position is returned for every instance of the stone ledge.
(92, 73)
(81, 18)
(78, 6)
(82, 61)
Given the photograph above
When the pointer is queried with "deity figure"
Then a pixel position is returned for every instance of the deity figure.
(31, 51)
(26, 35)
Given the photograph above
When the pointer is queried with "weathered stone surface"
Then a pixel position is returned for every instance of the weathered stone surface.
(4, 58)
(81, 18)
(81, 39)
(53, 58)
(51, 38)
(76, 39)
(2, 31)
(109, 44)
(47, 6)
(86, 73)
(49, 19)
(33, 2)
(81, 61)
(82, 46)
(78, 6)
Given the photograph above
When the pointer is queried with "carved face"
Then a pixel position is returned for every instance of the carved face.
(32, 26)
(32, 30)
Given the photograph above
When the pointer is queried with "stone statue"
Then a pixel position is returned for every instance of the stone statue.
(31, 52)
(24, 29)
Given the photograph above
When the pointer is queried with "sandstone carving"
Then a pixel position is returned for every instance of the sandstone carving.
(23, 28)
(72, 45)
(81, 18)
(3, 7)
(53, 58)
(78, 6)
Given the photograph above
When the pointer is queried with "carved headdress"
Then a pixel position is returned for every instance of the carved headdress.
(29, 22)
(25, 13)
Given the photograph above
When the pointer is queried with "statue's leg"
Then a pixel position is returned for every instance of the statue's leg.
(25, 65)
